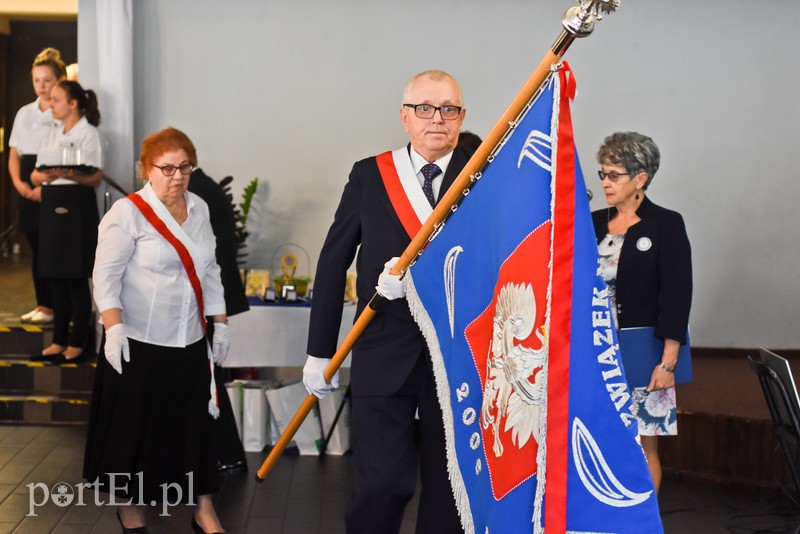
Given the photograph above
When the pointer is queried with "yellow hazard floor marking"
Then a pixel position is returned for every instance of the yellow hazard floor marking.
(25, 327)
(41, 399)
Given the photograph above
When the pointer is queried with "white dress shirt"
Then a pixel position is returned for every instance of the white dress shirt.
(418, 162)
(139, 271)
(31, 127)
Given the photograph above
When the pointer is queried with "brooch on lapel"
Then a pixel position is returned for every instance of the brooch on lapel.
(644, 244)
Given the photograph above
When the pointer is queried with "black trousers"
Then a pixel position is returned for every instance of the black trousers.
(228, 446)
(72, 303)
(391, 448)
(44, 295)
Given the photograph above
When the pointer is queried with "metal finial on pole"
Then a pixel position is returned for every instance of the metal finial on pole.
(578, 21)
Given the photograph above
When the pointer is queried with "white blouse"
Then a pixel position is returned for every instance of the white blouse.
(31, 127)
(82, 136)
(138, 271)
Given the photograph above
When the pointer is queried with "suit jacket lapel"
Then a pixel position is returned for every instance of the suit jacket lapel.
(457, 163)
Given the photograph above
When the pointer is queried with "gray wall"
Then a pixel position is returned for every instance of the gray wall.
(294, 92)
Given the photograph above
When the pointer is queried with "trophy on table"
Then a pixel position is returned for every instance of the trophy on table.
(288, 285)
(288, 268)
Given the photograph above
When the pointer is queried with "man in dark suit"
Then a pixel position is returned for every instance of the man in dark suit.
(230, 452)
(384, 202)
(223, 223)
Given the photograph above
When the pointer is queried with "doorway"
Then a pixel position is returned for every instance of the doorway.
(18, 49)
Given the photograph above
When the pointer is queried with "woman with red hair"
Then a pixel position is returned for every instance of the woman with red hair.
(155, 280)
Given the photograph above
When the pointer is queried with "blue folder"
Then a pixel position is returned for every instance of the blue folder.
(641, 352)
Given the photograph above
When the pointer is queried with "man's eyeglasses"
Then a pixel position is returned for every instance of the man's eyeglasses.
(427, 111)
(169, 170)
(612, 176)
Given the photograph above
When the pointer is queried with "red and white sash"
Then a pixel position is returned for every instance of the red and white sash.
(182, 246)
(404, 191)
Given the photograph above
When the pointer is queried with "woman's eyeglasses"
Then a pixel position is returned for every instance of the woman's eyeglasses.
(169, 170)
(612, 176)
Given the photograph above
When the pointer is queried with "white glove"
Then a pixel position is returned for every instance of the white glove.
(314, 379)
(116, 347)
(390, 285)
(221, 343)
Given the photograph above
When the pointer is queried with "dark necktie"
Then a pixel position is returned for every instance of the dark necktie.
(430, 171)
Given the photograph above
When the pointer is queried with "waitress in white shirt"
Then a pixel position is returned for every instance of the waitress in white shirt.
(154, 395)
(69, 168)
(32, 125)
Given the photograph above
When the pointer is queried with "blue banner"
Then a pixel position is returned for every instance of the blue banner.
(523, 424)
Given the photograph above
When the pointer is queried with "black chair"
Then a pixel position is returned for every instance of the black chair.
(780, 393)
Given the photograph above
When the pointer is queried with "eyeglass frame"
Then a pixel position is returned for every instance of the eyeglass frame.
(435, 109)
(612, 176)
(176, 168)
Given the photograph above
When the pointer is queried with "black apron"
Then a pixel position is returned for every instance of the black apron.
(28, 209)
(67, 231)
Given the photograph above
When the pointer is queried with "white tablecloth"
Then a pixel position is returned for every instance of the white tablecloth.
(276, 336)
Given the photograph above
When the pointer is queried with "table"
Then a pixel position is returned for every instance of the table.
(275, 335)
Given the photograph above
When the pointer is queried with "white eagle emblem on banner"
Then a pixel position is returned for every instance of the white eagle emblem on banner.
(514, 388)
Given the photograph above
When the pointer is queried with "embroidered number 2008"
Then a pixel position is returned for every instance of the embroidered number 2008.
(468, 417)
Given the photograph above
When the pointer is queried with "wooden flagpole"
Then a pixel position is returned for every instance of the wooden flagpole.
(577, 21)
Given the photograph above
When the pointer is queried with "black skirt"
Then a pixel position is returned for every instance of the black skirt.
(150, 425)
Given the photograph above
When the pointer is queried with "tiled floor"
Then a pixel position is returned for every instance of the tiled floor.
(301, 495)
(16, 289)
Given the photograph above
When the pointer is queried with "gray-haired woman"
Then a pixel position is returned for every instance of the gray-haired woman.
(646, 261)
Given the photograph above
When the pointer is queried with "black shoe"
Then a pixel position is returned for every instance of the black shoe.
(43, 357)
(234, 468)
(60, 359)
(136, 530)
(199, 530)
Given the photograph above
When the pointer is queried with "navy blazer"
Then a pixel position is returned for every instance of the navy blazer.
(366, 223)
(223, 223)
(654, 277)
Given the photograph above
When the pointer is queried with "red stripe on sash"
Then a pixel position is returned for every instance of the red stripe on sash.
(555, 520)
(186, 260)
(397, 195)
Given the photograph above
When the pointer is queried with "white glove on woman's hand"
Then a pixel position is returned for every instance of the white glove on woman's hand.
(116, 347)
(314, 379)
(390, 285)
(221, 343)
